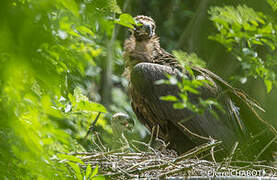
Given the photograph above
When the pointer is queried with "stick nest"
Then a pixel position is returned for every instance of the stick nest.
(125, 163)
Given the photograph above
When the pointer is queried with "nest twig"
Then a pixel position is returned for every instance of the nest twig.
(122, 163)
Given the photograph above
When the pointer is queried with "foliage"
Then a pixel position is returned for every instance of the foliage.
(188, 85)
(273, 4)
(47, 52)
(126, 20)
(74, 164)
(251, 38)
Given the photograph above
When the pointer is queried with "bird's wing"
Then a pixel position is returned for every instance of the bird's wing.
(226, 85)
(210, 90)
(241, 105)
(262, 132)
(143, 78)
(248, 106)
(165, 58)
(239, 121)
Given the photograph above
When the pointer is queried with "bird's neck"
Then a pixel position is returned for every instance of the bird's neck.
(140, 51)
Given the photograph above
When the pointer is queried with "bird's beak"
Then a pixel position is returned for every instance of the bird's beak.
(130, 126)
(151, 31)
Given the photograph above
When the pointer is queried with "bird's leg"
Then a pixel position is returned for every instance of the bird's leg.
(164, 145)
(126, 142)
(158, 130)
(152, 135)
(157, 143)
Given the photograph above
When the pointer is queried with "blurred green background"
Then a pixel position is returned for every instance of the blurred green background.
(61, 63)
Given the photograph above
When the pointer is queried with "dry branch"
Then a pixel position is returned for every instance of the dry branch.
(123, 163)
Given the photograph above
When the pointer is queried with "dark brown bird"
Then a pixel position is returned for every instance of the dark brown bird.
(146, 62)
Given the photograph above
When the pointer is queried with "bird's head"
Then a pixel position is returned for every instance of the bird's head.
(121, 123)
(145, 29)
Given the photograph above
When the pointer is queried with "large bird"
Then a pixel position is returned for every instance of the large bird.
(146, 63)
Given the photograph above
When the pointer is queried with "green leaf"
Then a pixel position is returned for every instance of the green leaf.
(95, 171)
(71, 5)
(114, 7)
(169, 98)
(268, 29)
(88, 171)
(71, 158)
(269, 43)
(161, 81)
(190, 89)
(268, 85)
(247, 32)
(179, 106)
(98, 178)
(126, 20)
(82, 103)
(85, 30)
(105, 6)
(273, 4)
(173, 80)
(76, 169)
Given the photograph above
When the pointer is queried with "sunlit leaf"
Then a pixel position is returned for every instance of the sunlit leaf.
(95, 171)
(88, 171)
(106, 6)
(179, 106)
(247, 31)
(268, 85)
(85, 30)
(76, 169)
(70, 158)
(169, 98)
(190, 89)
(126, 20)
(269, 43)
(161, 81)
(273, 4)
(114, 7)
(71, 5)
(99, 178)
(82, 103)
